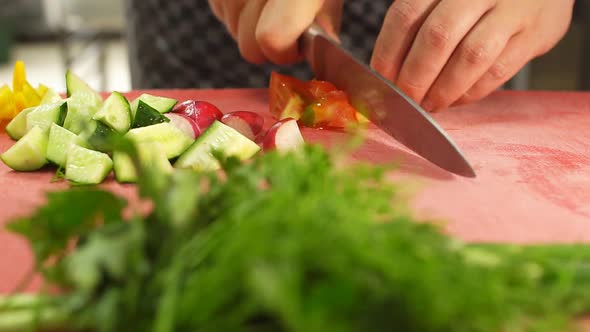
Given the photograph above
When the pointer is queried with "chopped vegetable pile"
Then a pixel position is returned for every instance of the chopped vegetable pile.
(287, 242)
(21, 96)
(72, 134)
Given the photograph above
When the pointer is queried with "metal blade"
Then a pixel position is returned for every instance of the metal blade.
(384, 103)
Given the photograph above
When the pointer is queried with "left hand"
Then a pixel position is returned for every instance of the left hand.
(445, 52)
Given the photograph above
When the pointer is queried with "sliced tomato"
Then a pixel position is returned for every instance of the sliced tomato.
(318, 89)
(287, 96)
(333, 110)
(314, 103)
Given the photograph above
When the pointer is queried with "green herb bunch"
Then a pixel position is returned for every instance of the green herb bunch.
(286, 242)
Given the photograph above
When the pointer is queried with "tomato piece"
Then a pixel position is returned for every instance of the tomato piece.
(331, 111)
(287, 96)
(319, 89)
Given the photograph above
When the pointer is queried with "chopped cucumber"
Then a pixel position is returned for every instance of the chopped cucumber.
(79, 116)
(59, 143)
(28, 154)
(81, 92)
(51, 97)
(85, 166)
(150, 154)
(43, 116)
(172, 140)
(97, 135)
(17, 127)
(218, 137)
(160, 104)
(147, 116)
(115, 113)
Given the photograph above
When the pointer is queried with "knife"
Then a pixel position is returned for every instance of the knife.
(382, 102)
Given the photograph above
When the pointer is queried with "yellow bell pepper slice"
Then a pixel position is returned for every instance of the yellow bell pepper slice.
(7, 107)
(19, 76)
(31, 96)
(20, 102)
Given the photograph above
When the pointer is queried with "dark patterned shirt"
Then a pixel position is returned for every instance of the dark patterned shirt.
(180, 44)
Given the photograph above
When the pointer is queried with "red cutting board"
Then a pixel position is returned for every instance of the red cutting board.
(531, 152)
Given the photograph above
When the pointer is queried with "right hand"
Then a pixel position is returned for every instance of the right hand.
(268, 30)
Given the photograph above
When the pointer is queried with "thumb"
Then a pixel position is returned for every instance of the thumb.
(280, 26)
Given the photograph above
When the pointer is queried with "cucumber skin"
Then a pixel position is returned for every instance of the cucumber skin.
(46, 122)
(21, 163)
(63, 113)
(98, 137)
(147, 116)
(157, 101)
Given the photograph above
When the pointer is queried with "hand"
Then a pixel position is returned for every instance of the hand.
(268, 30)
(445, 52)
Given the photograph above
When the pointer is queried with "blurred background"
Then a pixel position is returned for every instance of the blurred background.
(90, 37)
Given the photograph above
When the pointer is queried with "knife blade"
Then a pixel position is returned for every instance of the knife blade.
(384, 103)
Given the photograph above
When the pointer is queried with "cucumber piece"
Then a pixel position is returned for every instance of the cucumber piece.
(81, 92)
(43, 116)
(160, 104)
(147, 116)
(51, 97)
(28, 154)
(218, 137)
(172, 140)
(17, 127)
(97, 135)
(115, 113)
(79, 116)
(150, 155)
(85, 166)
(59, 143)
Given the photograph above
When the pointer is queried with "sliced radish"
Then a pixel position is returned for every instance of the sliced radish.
(185, 124)
(202, 112)
(247, 123)
(283, 136)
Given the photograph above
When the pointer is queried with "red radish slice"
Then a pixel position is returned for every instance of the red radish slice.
(283, 136)
(248, 124)
(202, 112)
(184, 123)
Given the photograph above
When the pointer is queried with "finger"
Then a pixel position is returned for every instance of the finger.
(232, 10)
(217, 9)
(474, 56)
(330, 18)
(516, 55)
(437, 38)
(247, 22)
(400, 26)
(280, 26)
